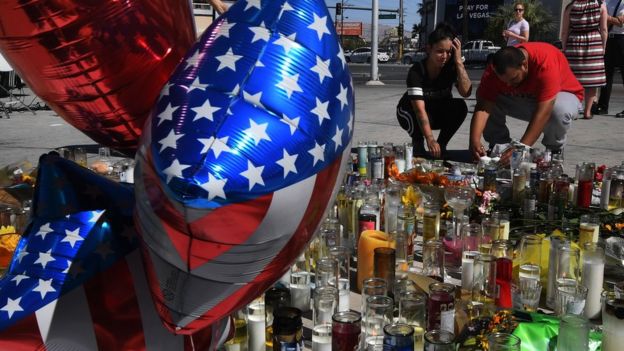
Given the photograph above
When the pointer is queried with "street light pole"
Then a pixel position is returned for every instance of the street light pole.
(342, 23)
(401, 31)
(374, 72)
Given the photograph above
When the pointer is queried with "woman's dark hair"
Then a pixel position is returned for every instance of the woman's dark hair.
(442, 31)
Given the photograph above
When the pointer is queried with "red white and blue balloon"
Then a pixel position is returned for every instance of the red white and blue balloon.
(243, 154)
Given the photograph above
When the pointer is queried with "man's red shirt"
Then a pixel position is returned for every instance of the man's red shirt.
(549, 73)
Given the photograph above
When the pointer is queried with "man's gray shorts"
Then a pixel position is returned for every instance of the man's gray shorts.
(555, 131)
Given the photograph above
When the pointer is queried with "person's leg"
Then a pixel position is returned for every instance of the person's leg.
(448, 116)
(590, 95)
(556, 129)
(408, 121)
(610, 63)
(496, 131)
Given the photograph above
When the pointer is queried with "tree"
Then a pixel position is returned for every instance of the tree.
(541, 23)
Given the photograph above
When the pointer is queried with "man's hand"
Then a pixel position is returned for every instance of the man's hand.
(477, 150)
(505, 158)
(434, 147)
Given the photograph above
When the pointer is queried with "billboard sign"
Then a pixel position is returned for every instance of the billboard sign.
(349, 28)
(479, 12)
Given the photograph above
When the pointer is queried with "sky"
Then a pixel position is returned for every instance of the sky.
(409, 8)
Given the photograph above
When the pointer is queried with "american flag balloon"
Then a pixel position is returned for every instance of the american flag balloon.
(76, 281)
(243, 154)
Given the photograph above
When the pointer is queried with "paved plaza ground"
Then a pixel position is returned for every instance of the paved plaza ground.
(601, 140)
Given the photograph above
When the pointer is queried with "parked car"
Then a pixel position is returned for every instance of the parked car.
(478, 50)
(363, 55)
(411, 56)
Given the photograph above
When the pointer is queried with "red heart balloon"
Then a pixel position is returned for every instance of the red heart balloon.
(100, 64)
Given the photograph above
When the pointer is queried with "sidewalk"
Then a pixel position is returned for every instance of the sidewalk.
(601, 140)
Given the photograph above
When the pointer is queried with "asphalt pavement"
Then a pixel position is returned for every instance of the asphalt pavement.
(26, 136)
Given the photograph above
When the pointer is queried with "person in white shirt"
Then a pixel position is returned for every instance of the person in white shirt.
(517, 31)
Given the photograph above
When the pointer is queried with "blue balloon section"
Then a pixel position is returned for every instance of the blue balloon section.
(245, 149)
(262, 101)
(82, 225)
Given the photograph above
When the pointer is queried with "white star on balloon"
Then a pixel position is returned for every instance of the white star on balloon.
(228, 60)
(170, 140)
(253, 98)
(216, 145)
(341, 57)
(18, 278)
(342, 97)
(21, 255)
(206, 110)
(12, 306)
(166, 114)
(174, 170)
(45, 258)
(72, 236)
(214, 187)
(257, 132)
(166, 90)
(288, 43)
(320, 26)
(260, 33)
(253, 174)
(322, 69)
(285, 8)
(288, 163)
(44, 287)
(44, 230)
(197, 85)
(252, 3)
(317, 152)
(224, 29)
(292, 123)
(290, 84)
(321, 110)
(338, 137)
(194, 59)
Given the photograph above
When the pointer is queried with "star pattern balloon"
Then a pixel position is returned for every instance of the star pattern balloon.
(76, 281)
(245, 146)
(99, 64)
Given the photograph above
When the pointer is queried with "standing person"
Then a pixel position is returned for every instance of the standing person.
(517, 31)
(532, 82)
(428, 103)
(614, 54)
(584, 37)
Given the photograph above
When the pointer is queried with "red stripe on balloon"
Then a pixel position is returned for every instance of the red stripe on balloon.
(121, 330)
(22, 336)
(323, 187)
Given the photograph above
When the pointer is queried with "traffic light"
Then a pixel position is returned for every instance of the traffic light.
(338, 8)
(400, 30)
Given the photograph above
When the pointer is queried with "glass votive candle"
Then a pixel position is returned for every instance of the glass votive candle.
(439, 340)
(384, 265)
(398, 337)
(433, 260)
(431, 221)
(613, 325)
(346, 329)
(589, 226)
(324, 305)
(573, 333)
(503, 342)
(441, 307)
(372, 287)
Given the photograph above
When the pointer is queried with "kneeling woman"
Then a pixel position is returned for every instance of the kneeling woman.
(428, 103)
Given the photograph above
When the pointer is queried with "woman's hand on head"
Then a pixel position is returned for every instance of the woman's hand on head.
(457, 54)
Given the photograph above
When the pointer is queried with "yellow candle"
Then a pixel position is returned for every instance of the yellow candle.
(369, 241)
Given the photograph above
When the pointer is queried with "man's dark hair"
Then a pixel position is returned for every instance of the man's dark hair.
(507, 57)
(442, 31)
